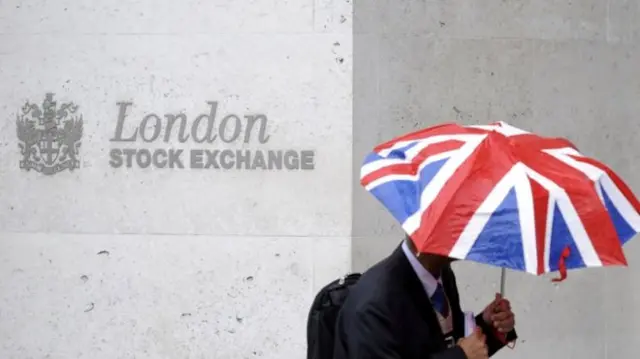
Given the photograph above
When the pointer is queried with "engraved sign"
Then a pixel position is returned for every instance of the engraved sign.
(49, 136)
(216, 140)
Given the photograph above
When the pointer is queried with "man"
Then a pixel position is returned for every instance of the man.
(407, 307)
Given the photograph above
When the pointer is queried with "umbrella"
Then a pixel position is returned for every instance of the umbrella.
(500, 195)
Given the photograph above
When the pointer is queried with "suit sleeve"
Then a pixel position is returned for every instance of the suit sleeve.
(372, 335)
(494, 344)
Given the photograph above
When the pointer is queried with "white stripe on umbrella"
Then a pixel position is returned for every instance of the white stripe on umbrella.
(524, 194)
(429, 160)
(424, 142)
(599, 176)
(501, 127)
(479, 220)
(571, 218)
(515, 178)
(412, 152)
(547, 232)
(438, 181)
(624, 207)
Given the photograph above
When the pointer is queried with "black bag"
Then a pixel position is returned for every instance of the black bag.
(323, 314)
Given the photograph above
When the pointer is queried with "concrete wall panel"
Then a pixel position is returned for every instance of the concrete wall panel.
(246, 75)
(202, 263)
(559, 68)
(144, 296)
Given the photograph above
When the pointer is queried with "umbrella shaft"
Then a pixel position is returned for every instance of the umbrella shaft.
(503, 275)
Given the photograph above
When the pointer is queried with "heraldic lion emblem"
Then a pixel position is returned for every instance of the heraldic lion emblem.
(49, 136)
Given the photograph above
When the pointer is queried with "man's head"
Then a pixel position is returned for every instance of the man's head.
(432, 262)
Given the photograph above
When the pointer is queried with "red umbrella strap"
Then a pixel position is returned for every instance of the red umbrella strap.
(562, 267)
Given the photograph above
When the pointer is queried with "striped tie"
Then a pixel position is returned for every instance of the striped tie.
(439, 301)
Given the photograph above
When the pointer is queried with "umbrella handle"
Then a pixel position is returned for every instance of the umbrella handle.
(502, 336)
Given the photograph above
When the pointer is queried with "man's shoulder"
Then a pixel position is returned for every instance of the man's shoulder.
(379, 287)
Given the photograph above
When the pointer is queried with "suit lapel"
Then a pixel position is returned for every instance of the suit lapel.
(423, 302)
(450, 288)
(416, 292)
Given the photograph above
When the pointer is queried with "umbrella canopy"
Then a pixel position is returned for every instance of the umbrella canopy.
(502, 196)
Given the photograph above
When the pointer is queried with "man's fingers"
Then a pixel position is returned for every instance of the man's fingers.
(501, 306)
(496, 300)
(482, 339)
(479, 335)
(499, 299)
(503, 321)
(500, 316)
(505, 326)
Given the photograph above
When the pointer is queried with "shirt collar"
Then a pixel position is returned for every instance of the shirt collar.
(429, 283)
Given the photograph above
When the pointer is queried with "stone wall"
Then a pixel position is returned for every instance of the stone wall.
(561, 68)
(212, 191)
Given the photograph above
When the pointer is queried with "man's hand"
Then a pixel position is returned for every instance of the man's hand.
(474, 346)
(499, 315)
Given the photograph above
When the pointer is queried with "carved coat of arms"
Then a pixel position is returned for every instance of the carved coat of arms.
(50, 136)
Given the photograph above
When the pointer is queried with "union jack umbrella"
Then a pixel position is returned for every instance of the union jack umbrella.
(502, 196)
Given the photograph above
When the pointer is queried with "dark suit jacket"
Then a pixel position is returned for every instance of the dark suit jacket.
(388, 315)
